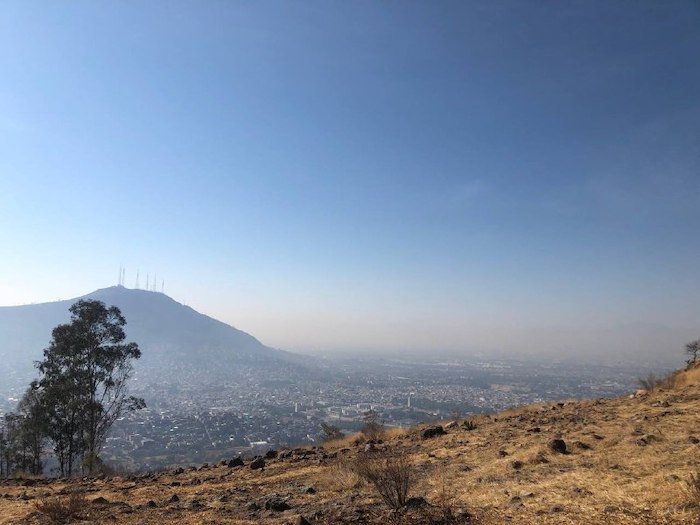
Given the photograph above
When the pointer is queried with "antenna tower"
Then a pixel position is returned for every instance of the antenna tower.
(137, 279)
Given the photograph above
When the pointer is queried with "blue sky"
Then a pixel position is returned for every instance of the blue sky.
(339, 175)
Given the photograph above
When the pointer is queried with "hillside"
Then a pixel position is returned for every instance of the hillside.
(627, 461)
(171, 335)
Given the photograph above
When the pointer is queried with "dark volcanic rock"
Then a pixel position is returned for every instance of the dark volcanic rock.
(432, 432)
(277, 504)
(257, 463)
(558, 445)
(235, 462)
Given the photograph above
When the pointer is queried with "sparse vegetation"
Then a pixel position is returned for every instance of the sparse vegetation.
(652, 382)
(331, 432)
(61, 509)
(693, 487)
(692, 349)
(372, 428)
(340, 476)
(391, 475)
(469, 425)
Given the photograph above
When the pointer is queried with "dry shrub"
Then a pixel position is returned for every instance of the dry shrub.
(651, 382)
(60, 509)
(390, 473)
(693, 488)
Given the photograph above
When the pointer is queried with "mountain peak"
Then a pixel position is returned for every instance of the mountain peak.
(169, 333)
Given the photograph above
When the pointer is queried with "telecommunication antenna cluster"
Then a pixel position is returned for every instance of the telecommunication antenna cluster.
(122, 276)
(151, 285)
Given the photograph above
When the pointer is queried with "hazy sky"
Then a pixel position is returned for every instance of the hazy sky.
(358, 174)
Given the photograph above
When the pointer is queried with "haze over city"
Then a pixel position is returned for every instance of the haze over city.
(453, 176)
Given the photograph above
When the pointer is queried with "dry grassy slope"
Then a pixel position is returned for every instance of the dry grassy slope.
(628, 462)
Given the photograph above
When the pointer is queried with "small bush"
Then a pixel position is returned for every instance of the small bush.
(651, 382)
(373, 428)
(60, 509)
(391, 475)
(469, 425)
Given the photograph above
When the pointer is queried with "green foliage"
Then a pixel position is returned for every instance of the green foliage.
(22, 436)
(83, 384)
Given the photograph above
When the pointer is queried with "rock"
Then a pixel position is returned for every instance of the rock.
(309, 490)
(276, 504)
(100, 501)
(417, 502)
(151, 504)
(369, 447)
(693, 440)
(257, 463)
(582, 445)
(271, 454)
(502, 453)
(517, 465)
(526, 494)
(173, 499)
(178, 471)
(432, 432)
(451, 424)
(556, 508)
(535, 430)
(235, 462)
(175, 483)
(558, 445)
(196, 504)
(301, 520)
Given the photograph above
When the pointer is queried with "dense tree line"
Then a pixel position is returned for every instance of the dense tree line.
(81, 391)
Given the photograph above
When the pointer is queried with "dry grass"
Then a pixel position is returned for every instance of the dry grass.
(61, 509)
(629, 461)
(340, 476)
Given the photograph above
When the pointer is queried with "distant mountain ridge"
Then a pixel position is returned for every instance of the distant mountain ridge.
(170, 334)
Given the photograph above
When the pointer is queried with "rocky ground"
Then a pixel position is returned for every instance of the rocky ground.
(618, 461)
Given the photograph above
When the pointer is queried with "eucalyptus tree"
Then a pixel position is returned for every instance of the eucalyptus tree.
(84, 375)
